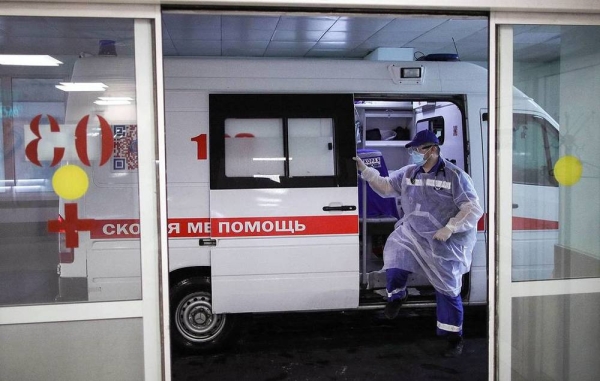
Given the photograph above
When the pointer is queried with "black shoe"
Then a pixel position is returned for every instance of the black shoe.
(455, 347)
(392, 309)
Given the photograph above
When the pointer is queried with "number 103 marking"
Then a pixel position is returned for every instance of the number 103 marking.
(201, 143)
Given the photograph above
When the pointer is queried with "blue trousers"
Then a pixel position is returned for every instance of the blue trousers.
(396, 280)
(449, 309)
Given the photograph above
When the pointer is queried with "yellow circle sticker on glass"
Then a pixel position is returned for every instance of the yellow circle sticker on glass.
(567, 170)
(70, 182)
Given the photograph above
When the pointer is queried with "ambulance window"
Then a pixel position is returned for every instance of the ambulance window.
(435, 124)
(311, 147)
(535, 150)
(254, 147)
(260, 141)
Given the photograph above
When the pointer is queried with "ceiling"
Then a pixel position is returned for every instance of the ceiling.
(321, 36)
(270, 35)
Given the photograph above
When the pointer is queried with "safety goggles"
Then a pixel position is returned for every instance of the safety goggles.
(420, 149)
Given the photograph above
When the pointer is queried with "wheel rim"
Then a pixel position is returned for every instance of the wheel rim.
(195, 320)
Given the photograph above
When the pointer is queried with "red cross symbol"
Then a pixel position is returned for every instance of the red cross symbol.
(71, 225)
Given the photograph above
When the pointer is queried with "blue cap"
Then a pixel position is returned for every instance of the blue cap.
(423, 137)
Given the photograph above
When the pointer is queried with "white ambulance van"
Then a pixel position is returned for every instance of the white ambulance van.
(265, 209)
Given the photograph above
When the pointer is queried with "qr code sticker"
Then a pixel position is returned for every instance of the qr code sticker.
(125, 156)
(119, 164)
(119, 131)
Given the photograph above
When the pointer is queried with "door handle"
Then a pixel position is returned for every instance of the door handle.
(207, 242)
(515, 206)
(341, 207)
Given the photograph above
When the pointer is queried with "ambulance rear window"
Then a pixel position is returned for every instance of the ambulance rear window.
(435, 124)
(535, 150)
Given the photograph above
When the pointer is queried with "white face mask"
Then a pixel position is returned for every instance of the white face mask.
(419, 158)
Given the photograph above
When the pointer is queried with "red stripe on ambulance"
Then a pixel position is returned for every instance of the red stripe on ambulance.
(130, 228)
(232, 227)
(188, 227)
(265, 226)
(282, 226)
(522, 223)
(122, 228)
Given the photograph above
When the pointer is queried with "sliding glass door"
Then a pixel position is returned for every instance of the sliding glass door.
(548, 197)
(78, 300)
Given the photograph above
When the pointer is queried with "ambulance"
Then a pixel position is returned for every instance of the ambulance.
(266, 211)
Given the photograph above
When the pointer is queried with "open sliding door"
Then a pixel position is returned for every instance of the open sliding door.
(283, 202)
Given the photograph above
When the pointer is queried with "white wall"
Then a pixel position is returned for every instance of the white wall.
(540, 81)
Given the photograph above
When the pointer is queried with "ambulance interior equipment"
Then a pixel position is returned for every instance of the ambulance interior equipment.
(376, 206)
(265, 209)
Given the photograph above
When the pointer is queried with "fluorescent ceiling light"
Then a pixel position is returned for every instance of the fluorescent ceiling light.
(28, 60)
(115, 98)
(112, 101)
(81, 86)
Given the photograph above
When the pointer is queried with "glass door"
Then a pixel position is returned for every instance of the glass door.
(77, 297)
(548, 197)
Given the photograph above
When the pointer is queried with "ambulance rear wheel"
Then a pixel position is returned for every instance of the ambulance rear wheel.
(194, 327)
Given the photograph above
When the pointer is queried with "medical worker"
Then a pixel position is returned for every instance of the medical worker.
(436, 232)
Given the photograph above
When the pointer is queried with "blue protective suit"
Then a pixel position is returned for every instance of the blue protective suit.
(443, 197)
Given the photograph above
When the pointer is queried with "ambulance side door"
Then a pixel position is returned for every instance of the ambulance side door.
(283, 202)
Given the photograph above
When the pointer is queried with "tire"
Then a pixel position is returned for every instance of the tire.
(194, 328)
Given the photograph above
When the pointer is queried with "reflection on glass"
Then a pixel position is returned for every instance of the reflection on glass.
(69, 227)
(556, 198)
(535, 196)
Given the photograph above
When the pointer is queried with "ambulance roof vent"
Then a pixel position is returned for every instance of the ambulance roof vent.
(448, 57)
(391, 54)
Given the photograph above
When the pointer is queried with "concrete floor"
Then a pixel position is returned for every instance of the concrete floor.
(355, 345)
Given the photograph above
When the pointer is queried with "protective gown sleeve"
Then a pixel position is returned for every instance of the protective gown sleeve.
(381, 185)
(468, 203)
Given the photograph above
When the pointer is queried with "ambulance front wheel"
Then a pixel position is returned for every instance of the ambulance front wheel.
(194, 327)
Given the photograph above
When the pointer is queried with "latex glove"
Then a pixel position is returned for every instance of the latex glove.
(360, 165)
(443, 234)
